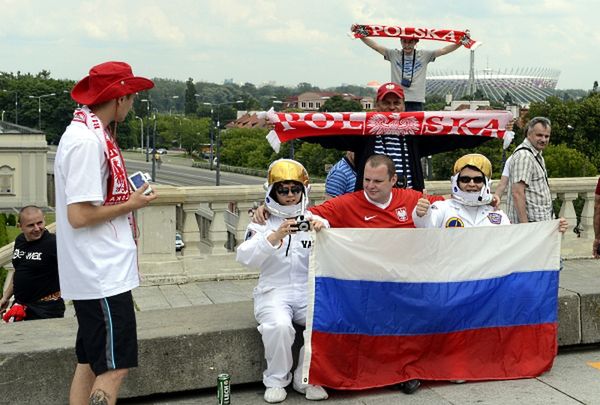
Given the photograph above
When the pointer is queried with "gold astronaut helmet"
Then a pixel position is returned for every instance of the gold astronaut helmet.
(475, 160)
(481, 163)
(286, 170)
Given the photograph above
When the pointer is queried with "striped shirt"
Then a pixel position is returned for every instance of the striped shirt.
(529, 167)
(397, 149)
(341, 179)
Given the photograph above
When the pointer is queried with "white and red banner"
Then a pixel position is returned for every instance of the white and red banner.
(454, 36)
(288, 126)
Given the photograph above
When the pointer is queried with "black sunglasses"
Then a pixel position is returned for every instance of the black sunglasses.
(467, 179)
(286, 190)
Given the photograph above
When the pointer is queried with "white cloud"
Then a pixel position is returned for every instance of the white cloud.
(287, 40)
(293, 33)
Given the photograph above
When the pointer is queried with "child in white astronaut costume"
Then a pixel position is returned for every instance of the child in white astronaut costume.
(470, 202)
(281, 251)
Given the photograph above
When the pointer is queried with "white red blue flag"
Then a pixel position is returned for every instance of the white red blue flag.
(391, 305)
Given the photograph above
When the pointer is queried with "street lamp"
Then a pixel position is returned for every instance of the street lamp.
(218, 138)
(16, 103)
(210, 135)
(147, 101)
(141, 133)
(155, 111)
(2, 115)
(172, 98)
(40, 107)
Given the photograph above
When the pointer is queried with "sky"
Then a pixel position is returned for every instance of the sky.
(288, 42)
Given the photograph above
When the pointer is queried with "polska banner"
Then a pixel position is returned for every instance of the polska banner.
(391, 305)
(454, 36)
(288, 126)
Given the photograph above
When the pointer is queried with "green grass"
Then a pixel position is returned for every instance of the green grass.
(12, 232)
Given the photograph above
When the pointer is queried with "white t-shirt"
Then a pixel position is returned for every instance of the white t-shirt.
(95, 261)
(416, 72)
(506, 169)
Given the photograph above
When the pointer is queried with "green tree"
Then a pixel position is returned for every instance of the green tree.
(443, 163)
(304, 87)
(338, 104)
(562, 161)
(191, 104)
(246, 147)
(434, 103)
(575, 123)
(193, 133)
(314, 157)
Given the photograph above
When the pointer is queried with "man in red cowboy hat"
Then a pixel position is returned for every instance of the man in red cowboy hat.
(97, 257)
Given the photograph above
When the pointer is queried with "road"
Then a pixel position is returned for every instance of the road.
(177, 171)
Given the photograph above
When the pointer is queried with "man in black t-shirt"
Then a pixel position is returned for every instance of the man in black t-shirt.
(35, 282)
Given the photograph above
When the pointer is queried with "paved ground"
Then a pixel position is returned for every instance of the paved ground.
(574, 379)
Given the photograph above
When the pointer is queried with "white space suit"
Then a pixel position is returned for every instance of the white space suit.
(452, 214)
(280, 296)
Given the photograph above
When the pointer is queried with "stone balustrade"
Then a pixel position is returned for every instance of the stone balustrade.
(212, 221)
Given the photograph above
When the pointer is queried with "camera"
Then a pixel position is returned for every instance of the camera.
(302, 224)
(138, 179)
(406, 83)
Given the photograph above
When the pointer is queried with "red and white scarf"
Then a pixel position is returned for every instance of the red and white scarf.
(288, 126)
(117, 190)
(454, 36)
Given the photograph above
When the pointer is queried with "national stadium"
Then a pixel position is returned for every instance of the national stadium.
(523, 85)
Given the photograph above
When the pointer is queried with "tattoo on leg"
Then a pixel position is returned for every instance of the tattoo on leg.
(99, 397)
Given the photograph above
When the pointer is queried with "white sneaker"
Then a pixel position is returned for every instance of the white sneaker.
(275, 394)
(312, 392)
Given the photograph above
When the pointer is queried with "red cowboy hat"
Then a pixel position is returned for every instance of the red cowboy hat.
(388, 88)
(108, 81)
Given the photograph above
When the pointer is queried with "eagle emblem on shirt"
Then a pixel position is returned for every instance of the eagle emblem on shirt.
(402, 214)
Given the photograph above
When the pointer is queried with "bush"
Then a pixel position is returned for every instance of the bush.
(562, 161)
(3, 273)
(11, 220)
(3, 233)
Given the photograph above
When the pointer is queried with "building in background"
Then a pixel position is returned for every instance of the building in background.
(23, 167)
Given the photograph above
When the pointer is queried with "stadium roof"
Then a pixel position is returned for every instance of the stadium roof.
(523, 85)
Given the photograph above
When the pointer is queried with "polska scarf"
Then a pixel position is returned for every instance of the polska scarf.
(454, 36)
(117, 190)
(288, 126)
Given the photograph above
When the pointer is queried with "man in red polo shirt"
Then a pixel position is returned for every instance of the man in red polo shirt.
(378, 205)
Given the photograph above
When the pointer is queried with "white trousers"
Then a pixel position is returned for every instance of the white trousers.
(275, 309)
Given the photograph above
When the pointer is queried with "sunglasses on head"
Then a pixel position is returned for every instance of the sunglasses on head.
(286, 190)
(467, 179)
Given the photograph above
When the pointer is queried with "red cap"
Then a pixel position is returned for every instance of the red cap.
(108, 81)
(387, 88)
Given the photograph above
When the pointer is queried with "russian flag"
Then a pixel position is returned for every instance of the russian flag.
(391, 305)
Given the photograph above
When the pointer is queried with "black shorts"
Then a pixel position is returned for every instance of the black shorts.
(107, 336)
(45, 310)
